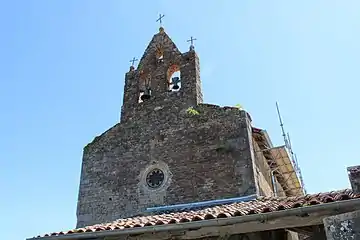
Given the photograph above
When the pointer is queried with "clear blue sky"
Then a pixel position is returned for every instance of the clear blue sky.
(62, 66)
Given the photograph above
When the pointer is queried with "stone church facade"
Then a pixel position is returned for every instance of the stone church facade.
(196, 151)
(177, 168)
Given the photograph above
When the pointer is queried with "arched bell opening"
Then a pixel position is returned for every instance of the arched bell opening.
(174, 78)
(144, 95)
(144, 87)
(159, 53)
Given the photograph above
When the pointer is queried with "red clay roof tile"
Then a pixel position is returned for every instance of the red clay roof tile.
(260, 205)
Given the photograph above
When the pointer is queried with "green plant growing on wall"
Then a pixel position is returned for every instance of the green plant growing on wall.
(239, 106)
(192, 111)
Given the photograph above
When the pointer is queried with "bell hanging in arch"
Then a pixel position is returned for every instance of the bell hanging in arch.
(146, 95)
(175, 81)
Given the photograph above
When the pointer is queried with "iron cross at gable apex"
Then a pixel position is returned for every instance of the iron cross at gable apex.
(161, 16)
(133, 61)
(132, 67)
(191, 40)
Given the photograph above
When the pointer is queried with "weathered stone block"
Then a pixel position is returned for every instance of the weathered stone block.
(343, 227)
(354, 177)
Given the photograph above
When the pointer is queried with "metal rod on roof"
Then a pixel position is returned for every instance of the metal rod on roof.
(189, 206)
(288, 146)
(282, 126)
(300, 176)
(288, 137)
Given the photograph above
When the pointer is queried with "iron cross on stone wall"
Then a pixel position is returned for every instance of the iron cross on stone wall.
(191, 40)
(133, 61)
(161, 16)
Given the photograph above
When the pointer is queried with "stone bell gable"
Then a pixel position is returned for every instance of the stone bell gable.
(168, 148)
(164, 76)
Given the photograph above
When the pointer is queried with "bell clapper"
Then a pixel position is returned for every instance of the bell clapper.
(146, 95)
(175, 81)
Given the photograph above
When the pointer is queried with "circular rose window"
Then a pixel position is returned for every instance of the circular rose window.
(155, 178)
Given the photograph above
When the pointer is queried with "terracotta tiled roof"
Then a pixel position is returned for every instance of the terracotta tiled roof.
(260, 205)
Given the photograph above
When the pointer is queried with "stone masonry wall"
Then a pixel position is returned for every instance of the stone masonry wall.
(157, 73)
(197, 155)
(203, 156)
(343, 227)
(354, 177)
